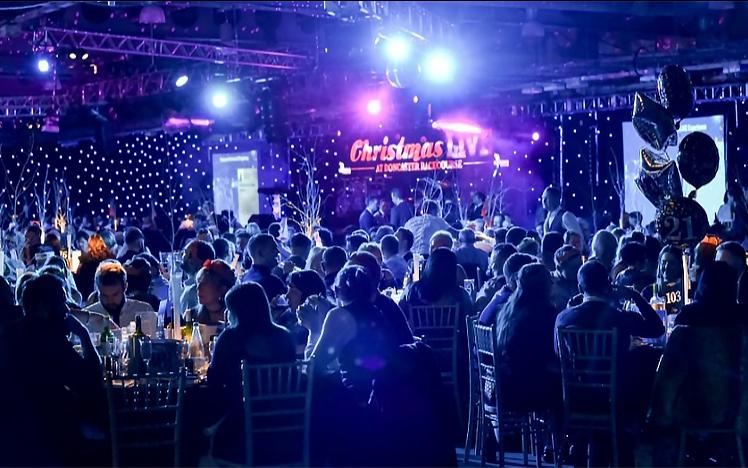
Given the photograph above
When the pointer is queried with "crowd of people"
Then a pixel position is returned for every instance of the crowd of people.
(276, 295)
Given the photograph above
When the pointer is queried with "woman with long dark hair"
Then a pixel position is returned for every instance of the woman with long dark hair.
(438, 286)
(524, 342)
(251, 335)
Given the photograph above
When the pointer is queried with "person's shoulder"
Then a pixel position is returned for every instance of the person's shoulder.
(135, 304)
(96, 307)
(340, 316)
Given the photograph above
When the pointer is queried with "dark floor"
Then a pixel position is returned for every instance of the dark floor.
(511, 459)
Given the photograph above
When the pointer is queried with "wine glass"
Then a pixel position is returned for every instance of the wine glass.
(212, 346)
(146, 352)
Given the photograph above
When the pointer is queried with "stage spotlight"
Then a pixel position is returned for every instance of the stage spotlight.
(219, 98)
(72, 56)
(181, 81)
(374, 107)
(84, 56)
(415, 99)
(535, 136)
(439, 66)
(43, 65)
(397, 49)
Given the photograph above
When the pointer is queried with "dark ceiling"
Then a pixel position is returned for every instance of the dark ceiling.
(508, 51)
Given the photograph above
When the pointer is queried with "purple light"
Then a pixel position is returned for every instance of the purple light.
(457, 127)
(184, 122)
(535, 136)
(374, 107)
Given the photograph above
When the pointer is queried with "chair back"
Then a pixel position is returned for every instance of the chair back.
(474, 272)
(485, 344)
(145, 419)
(589, 377)
(437, 326)
(474, 375)
(277, 409)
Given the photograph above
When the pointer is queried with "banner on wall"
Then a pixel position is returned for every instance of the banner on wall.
(430, 150)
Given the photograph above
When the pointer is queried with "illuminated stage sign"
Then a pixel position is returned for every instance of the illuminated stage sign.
(403, 156)
(439, 152)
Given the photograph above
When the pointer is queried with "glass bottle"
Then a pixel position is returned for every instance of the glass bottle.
(135, 365)
(196, 343)
(196, 351)
(658, 304)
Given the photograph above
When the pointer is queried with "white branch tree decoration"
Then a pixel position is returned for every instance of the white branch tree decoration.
(63, 210)
(307, 211)
(14, 190)
(617, 179)
(172, 192)
(41, 194)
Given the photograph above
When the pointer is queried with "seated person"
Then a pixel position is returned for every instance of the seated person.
(472, 259)
(50, 413)
(715, 300)
(214, 280)
(513, 265)
(113, 305)
(252, 335)
(393, 261)
(669, 284)
(333, 260)
(634, 259)
(499, 255)
(568, 262)
(600, 311)
(139, 282)
(524, 344)
(698, 380)
(300, 247)
(263, 249)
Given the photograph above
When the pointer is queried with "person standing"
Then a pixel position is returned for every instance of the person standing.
(477, 209)
(425, 226)
(557, 219)
(401, 211)
(367, 220)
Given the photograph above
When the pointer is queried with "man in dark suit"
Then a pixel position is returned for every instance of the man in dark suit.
(264, 252)
(599, 309)
(368, 220)
(401, 211)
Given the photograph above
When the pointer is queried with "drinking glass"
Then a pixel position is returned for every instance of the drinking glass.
(469, 285)
(146, 352)
(212, 346)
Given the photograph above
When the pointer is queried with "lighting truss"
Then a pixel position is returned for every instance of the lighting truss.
(135, 45)
(704, 94)
(100, 92)
(408, 16)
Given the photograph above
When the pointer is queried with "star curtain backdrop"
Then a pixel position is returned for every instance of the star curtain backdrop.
(137, 173)
(576, 152)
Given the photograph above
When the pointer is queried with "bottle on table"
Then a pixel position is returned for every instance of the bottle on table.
(658, 304)
(136, 364)
(196, 351)
(106, 344)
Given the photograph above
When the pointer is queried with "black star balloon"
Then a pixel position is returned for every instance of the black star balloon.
(653, 123)
(658, 178)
